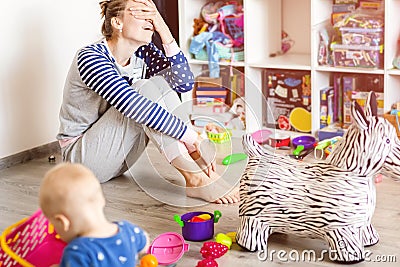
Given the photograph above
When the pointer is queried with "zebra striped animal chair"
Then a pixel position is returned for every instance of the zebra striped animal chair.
(333, 200)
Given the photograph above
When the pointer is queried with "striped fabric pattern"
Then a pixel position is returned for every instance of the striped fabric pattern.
(98, 71)
(332, 200)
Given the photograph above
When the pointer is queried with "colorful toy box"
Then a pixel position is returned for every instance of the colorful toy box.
(371, 4)
(361, 36)
(345, 1)
(361, 97)
(360, 56)
(288, 99)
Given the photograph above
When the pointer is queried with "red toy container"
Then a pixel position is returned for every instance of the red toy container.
(198, 231)
(31, 242)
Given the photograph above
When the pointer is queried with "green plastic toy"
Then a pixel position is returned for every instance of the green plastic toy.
(298, 149)
(232, 158)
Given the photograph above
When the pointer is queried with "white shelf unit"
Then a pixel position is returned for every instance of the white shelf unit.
(301, 19)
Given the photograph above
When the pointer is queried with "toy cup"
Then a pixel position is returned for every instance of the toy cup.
(197, 231)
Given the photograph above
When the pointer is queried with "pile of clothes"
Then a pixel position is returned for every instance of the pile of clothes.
(218, 34)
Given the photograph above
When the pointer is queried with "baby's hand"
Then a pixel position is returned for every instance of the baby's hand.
(146, 247)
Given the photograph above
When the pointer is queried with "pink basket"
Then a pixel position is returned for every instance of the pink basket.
(31, 242)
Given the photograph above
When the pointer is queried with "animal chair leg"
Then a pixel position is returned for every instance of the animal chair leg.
(370, 235)
(346, 245)
(252, 233)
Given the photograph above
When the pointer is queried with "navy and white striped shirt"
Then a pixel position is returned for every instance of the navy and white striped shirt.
(95, 81)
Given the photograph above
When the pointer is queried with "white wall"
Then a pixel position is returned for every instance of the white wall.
(38, 39)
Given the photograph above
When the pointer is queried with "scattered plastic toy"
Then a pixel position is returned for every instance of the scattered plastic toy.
(232, 158)
(196, 219)
(306, 141)
(378, 178)
(168, 248)
(207, 263)
(200, 218)
(149, 260)
(298, 149)
(200, 230)
(52, 159)
(213, 250)
(204, 216)
(322, 147)
(232, 235)
(224, 240)
(261, 136)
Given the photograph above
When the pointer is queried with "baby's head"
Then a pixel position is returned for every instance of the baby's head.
(71, 198)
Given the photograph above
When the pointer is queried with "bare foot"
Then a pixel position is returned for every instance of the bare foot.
(214, 189)
(210, 187)
(230, 198)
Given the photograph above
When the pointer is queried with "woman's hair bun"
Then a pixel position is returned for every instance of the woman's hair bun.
(103, 5)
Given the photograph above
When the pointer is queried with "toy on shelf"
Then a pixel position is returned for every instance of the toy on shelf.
(393, 117)
(361, 40)
(288, 99)
(167, 248)
(218, 34)
(286, 43)
(396, 59)
(198, 230)
(333, 200)
(31, 242)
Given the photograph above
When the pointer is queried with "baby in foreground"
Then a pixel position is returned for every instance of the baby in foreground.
(72, 200)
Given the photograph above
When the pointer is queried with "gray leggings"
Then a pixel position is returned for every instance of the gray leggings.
(114, 143)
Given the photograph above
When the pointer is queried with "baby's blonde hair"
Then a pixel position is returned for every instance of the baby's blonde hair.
(68, 188)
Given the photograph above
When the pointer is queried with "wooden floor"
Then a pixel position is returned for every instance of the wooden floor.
(126, 200)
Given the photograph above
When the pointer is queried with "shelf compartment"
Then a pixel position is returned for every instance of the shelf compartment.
(286, 61)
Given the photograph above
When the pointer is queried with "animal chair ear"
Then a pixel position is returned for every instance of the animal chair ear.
(371, 105)
(358, 116)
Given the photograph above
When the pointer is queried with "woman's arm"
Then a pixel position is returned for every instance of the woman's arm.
(174, 68)
(99, 73)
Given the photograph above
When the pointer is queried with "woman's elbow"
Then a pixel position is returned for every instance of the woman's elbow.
(186, 87)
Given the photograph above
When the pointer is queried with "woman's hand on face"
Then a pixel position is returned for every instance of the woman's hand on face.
(147, 10)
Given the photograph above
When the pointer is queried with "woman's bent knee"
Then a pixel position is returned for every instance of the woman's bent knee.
(153, 88)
